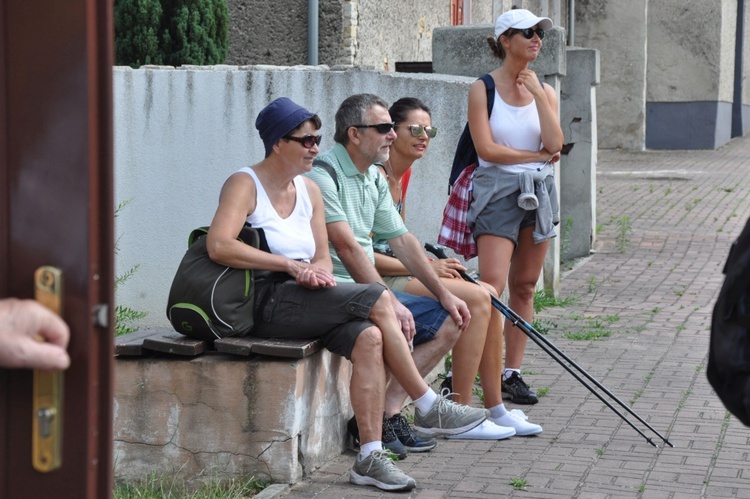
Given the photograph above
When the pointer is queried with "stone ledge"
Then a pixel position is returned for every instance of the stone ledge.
(219, 415)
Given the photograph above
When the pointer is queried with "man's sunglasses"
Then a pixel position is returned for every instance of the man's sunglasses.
(382, 128)
(416, 130)
(308, 141)
(528, 33)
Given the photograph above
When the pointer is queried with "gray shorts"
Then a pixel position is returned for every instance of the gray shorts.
(337, 315)
(504, 218)
(397, 282)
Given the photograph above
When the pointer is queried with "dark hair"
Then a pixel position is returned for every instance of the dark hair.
(403, 106)
(352, 112)
(314, 120)
(496, 46)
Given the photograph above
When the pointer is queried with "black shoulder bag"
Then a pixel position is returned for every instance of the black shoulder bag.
(208, 301)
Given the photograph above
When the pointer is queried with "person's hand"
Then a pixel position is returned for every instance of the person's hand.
(314, 277)
(448, 267)
(405, 319)
(549, 157)
(528, 79)
(458, 310)
(32, 337)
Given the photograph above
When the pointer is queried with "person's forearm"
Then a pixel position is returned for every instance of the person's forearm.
(390, 266)
(410, 253)
(358, 264)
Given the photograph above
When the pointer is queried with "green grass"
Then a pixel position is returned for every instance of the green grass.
(541, 392)
(164, 488)
(546, 299)
(518, 483)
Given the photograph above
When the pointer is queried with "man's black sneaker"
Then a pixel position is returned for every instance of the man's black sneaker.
(518, 390)
(391, 443)
(406, 435)
(447, 383)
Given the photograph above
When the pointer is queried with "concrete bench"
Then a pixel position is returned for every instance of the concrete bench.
(236, 408)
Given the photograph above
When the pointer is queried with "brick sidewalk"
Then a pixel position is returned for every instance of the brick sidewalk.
(666, 221)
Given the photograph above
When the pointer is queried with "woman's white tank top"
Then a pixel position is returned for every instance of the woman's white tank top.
(515, 127)
(291, 237)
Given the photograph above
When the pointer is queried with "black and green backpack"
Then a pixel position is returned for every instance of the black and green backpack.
(208, 301)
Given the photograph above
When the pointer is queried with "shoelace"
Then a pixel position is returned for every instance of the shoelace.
(388, 433)
(381, 456)
(444, 406)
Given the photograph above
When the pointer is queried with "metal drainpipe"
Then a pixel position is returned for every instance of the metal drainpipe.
(312, 32)
(571, 22)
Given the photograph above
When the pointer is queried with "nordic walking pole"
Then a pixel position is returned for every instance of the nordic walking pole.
(543, 342)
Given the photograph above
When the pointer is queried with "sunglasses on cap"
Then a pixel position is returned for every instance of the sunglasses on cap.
(307, 141)
(416, 130)
(382, 128)
(528, 33)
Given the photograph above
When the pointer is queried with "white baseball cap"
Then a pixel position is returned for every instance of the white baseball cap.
(520, 19)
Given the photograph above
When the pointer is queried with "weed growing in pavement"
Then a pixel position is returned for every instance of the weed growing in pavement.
(479, 393)
(541, 392)
(641, 488)
(599, 452)
(685, 395)
(624, 229)
(545, 299)
(543, 325)
(681, 327)
(593, 329)
(518, 483)
(593, 286)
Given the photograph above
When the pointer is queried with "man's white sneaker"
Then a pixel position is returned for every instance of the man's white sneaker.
(519, 421)
(485, 431)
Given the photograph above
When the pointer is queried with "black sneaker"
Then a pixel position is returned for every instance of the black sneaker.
(406, 436)
(391, 443)
(447, 384)
(518, 390)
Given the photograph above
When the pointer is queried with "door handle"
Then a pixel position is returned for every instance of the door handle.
(46, 438)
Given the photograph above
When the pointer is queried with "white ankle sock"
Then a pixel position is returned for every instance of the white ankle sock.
(507, 372)
(426, 401)
(498, 411)
(368, 448)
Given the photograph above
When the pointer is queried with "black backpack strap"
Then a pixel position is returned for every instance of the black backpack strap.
(327, 167)
(489, 82)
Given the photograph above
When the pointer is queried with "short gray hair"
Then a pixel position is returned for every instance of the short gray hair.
(352, 112)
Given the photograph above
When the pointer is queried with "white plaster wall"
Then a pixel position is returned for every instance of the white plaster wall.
(179, 133)
(618, 30)
(691, 51)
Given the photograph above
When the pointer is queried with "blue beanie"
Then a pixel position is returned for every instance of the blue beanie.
(278, 119)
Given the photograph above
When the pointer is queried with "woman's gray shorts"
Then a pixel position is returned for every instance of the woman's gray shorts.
(504, 218)
(336, 315)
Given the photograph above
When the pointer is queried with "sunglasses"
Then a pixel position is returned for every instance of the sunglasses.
(416, 130)
(308, 141)
(528, 33)
(382, 128)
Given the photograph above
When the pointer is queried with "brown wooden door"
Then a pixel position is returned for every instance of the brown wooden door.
(56, 209)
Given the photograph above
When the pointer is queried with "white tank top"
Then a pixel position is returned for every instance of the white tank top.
(291, 237)
(515, 127)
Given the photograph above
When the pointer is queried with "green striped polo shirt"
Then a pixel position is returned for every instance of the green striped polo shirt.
(361, 201)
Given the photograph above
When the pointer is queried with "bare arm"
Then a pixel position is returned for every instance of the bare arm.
(411, 255)
(358, 264)
(489, 150)
(237, 201)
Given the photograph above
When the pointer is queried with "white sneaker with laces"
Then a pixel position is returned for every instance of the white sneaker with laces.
(519, 421)
(485, 431)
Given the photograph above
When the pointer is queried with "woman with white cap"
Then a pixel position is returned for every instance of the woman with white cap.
(517, 143)
(297, 297)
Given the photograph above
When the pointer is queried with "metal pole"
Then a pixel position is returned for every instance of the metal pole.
(543, 343)
(571, 22)
(312, 32)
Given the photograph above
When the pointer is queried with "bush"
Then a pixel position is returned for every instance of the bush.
(171, 32)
